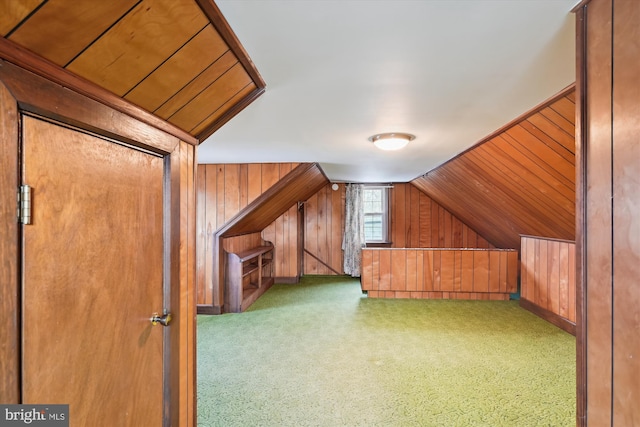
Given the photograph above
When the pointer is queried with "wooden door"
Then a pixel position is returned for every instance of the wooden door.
(92, 264)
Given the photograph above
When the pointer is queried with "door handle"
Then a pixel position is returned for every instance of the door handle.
(164, 320)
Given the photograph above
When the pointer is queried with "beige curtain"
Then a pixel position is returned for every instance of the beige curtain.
(353, 239)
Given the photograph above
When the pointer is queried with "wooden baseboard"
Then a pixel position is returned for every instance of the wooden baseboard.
(288, 280)
(209, 309)
(562, 323)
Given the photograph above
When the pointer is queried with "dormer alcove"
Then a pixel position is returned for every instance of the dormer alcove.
(275, 189)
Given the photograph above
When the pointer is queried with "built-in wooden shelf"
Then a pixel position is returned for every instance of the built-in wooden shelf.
(248, 275)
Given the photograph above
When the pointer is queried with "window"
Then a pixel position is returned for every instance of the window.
(376, 216)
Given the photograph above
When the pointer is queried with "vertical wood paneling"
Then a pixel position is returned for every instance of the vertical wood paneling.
(495, 271)
(224, 190)
(211, 220)
(434, 273)
(291, 257)
(243, 185)
(468, 271)
(279, 241)
(367, 270)
(563, 278)
(411, 270)
(188, 269)
(572, 289)
(219, 195)
(481, 271)
(203, 232)
(457, 271)
(437, 268)
(424, 239)
(270, 175)
(311, 235)
(235, 186)
(528, 269)
(413, 238)
(608, 255)
(540, 271)
(285, 227)
(553, 284)
(324, 213)
(548, 268)
(375, 268)
(10, 387)
(626, 206)
(384, 266)
(420, 222)
(231, 198)
(447, 271)
(254, 185)
(398, 279)
(402, 217)
(428, 269)
(512, 271)
(508, 266)
(599, 228)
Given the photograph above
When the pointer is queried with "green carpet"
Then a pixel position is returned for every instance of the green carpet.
(320, 353)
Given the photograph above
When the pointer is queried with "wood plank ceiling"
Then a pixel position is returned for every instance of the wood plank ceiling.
(177, 59)
(180, 61)
(302, 182)
(519, 180)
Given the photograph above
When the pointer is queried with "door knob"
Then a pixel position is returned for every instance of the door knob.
(164, 320)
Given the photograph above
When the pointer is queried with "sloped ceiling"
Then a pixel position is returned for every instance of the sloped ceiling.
(301, 183)
(338, 71)
(177, 59)
(520, 180)
(181, 62)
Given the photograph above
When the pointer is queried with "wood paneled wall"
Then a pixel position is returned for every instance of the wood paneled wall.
(418, 221)
(187, 300)
(608, 236)
(283, 233)
(439, 273)
(519, 180)
(323, 230)
(225, 189)
(548, 280)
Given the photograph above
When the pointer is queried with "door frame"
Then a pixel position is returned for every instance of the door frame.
(22, 91)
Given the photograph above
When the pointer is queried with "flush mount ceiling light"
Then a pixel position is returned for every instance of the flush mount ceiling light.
(392, 140)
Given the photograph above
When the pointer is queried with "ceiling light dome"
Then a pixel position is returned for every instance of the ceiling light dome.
(392, 140)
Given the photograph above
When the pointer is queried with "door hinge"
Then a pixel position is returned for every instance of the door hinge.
(24, 204)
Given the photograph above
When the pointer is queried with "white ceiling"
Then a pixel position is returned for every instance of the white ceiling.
(338, 71)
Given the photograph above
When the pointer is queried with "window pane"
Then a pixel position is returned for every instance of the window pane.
(373, 226)
(373, 200)
(375, 214)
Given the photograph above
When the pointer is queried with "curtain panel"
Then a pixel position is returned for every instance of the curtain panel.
(353, 239)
